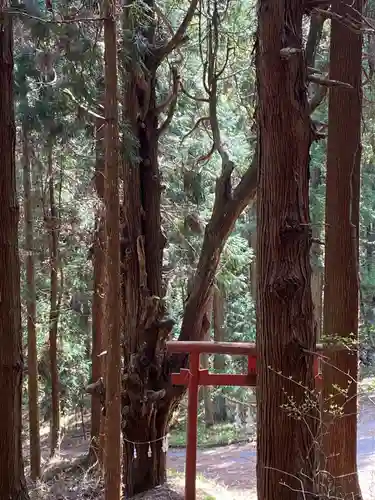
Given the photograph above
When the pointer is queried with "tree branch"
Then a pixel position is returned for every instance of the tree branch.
(326, 82)
(82, 106)
(198, 122)
(171, 101)
(317, 98)
(179, 37)
(193, 98)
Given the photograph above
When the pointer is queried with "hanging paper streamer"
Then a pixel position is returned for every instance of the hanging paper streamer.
(135, 453)
(149, 453)
(165, 444)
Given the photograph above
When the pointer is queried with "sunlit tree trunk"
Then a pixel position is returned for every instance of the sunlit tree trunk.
(112, 458)
(341, 252)
(12, 481)
(32, 360)
(285, 327)
(52, 223)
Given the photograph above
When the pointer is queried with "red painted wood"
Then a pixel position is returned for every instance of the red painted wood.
(234, 348)
(251, 364)
(191, 444)
(218, 379)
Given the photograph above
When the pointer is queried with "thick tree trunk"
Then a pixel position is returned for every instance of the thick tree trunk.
(12, 481)
(285, 444)
(341, 252)
(95, 451)
(145, 413)
(32, 359)
(54, 305)
(112, 457)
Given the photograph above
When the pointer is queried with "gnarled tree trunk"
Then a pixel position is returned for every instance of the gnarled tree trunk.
(32, 359)
(12, 481)
(285, 326)
(341, 253)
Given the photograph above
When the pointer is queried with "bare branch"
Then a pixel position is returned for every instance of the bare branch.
(83, 106)
(201, 120)
(171, 101)
(193, 98)
(328, 82)
(172, 94)
(317, 98)
(346, 21)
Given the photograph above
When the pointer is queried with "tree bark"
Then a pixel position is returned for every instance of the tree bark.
(12, 480)
(95, 451)
(112, 458)
(285, 328)
(32, 359)
(317, 277)
(341, 252)
(52, 224)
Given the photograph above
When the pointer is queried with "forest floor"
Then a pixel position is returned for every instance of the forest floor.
(223, 472)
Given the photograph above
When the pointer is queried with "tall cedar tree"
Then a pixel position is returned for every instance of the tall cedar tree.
(12, 481)
(95, 452)
(32, 359)
(112, 459)
(285, 327)
(52, 227)
(341, 248)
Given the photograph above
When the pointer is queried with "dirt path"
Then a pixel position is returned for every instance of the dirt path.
(233, 467)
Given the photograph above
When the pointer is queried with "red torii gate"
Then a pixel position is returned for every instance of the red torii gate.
(194, 376)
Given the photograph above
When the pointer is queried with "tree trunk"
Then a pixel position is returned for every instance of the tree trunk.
(317, 277)
(54, 305)
(145, 414)
(341, 252)
(219, 359)
(112, 458)
(32, 359)
(206, 390)
(95, 451)
(12, 481)
(285, 444)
